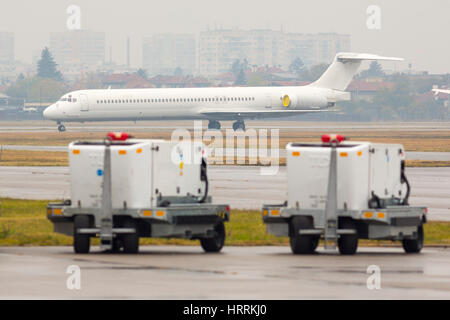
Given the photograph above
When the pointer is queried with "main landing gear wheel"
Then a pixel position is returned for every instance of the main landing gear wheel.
(61, 128)
(239, 125)
(214, 125)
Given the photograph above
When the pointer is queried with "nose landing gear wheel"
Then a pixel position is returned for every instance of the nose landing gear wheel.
(61, 128)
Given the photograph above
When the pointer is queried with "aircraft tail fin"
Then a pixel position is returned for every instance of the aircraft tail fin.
(345, 65)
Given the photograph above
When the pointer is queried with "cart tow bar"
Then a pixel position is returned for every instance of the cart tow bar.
(106, 223)
(330, 232)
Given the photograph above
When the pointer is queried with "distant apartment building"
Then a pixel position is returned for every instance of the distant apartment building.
(78, 50)
(6, 48)
(218, 49)
(8, 66)
(165, 53)
(315, 49)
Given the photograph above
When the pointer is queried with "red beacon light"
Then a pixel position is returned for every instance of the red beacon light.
(332, 138)
(119, 136)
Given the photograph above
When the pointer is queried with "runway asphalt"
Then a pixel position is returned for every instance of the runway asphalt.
(323, 127)
(243, 187)
(172, 272)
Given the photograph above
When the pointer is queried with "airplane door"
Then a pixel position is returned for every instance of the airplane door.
(268, 104)
(84, 102)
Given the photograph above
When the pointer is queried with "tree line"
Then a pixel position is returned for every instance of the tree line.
(399, 103)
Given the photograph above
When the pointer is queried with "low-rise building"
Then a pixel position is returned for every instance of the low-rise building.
(366, 89)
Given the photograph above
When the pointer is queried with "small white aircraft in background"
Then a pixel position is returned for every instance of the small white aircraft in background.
(213, 104)
(24, 109)
(437, 91)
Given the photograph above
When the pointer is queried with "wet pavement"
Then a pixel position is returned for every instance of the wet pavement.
(243, 187)
(175, 272)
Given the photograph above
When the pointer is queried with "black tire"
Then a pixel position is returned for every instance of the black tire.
(414, 245)
(130, 241)
(81, 242)
(214, 125)
(216, 243)
(239, 125)
(347, 243)
(302, 244)
(315, 243)
(116, 245)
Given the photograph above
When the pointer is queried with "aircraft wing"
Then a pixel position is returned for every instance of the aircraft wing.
(252, 113)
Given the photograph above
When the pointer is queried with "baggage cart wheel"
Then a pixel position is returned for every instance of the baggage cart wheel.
(214, 244)
(414, 245)
(302, 244)
(117, 245)
(81, 242)
(348, 243)
(130, 241)
(315, 243)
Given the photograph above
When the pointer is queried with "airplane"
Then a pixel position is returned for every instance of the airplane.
(212, 104)
(24, 109)
(437, 91)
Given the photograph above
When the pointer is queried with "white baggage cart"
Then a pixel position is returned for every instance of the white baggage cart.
(345, 191)
(123, 189)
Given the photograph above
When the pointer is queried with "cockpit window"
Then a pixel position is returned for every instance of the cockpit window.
(68, 99)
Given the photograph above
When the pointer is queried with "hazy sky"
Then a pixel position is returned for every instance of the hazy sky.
(416, 30)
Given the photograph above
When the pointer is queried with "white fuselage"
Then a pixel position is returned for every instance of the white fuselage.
(229, 103)
(232, 103)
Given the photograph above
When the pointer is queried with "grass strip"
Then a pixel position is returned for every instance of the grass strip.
(24, 223)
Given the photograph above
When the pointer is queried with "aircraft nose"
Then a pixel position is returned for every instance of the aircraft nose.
(50, 112)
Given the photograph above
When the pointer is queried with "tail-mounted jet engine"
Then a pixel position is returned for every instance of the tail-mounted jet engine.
(304, 101)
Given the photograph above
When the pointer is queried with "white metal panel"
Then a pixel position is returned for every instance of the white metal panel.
(385, 170)
(85, 180)
(362, 167)
(130, 174)
(177, 169)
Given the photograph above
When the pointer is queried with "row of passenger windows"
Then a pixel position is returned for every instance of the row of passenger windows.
(175, 100)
